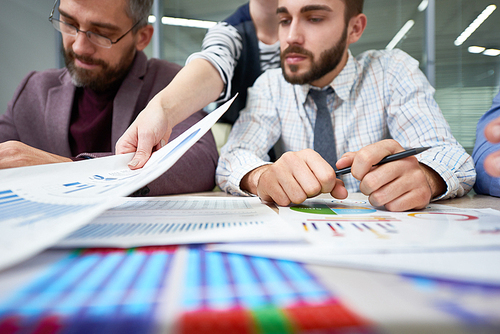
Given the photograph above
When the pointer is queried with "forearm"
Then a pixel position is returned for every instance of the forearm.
(194, 87)
(17, 154)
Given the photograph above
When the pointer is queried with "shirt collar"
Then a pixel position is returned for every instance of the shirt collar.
(346, 79)
(342, 84)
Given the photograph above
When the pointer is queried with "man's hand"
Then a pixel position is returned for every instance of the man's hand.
(492, 162)
(295, 177)
(399, 185)
(17, 154)
(150, 131)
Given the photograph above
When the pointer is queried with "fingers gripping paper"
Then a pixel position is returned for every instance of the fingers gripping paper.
(39, 205)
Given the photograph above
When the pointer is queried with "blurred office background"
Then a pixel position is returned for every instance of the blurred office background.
(465, 73)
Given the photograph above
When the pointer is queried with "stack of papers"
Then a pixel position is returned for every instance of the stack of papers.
(182, 220)
(440, 241)
(82, 204)
(40, 205)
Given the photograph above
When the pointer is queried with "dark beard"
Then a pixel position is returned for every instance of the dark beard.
(108, 78)
(328, 61)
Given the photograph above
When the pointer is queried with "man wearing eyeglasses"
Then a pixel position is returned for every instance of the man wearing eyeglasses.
(80, 111)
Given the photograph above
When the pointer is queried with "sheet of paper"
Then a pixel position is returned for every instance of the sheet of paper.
(345, 232)
(39, 205)
(480, 266)
(149, 221)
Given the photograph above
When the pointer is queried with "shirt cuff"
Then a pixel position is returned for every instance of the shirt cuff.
(234, 179)
(448, 177)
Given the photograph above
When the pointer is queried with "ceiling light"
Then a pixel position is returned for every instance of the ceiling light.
(491, 52)
(151, 19)
(423, 5)
(474, 25)
(399, 36)
(476, 49)
(174, 21)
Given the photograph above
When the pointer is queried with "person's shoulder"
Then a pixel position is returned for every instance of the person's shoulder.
(496, 100)
(48, 76)
(160, 69)
(35, 86)
(241, 15)
(385, 57)
(393, 63)
(491, 114)
(44, 80)
(163, 65)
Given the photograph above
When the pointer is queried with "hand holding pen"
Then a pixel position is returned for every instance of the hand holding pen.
(393, 157)
(403, 184)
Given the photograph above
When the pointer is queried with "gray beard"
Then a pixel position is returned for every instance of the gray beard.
(108, 78)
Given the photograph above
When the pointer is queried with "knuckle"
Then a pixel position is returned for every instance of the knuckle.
(363, 156)
(394, 207)
(370, 182)
(327, 176)
(327, 182)
(309, 151)
(377, 199)
(281, 200)
(312, 189)
(298, 198)
(286, 158)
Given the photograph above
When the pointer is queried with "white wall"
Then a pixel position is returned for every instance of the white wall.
(27, 42)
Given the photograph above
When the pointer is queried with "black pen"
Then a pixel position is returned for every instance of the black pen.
(389, 158)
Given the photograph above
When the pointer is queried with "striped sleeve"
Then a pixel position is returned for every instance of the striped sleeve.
(269, 56)
(222, 47)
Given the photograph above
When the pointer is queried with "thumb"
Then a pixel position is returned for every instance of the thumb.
(145, 144)
(492, 131)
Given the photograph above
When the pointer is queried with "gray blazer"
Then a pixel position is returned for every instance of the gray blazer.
(39, 115)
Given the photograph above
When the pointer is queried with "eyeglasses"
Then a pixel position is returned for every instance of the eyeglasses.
(69, 29)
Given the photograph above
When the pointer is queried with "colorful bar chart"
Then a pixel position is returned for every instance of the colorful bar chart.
(120, 291)
(93, 231)
(25, 212)
(378, 226)
(232, 293)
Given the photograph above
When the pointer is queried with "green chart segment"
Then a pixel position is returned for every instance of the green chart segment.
(331, 209)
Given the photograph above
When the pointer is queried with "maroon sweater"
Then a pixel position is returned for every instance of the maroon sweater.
(90, 128)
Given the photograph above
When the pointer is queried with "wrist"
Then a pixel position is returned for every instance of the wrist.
(250, 181)
(434, 180)
(167, 109)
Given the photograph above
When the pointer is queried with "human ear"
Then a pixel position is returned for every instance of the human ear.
(144, 36)
(357, 25)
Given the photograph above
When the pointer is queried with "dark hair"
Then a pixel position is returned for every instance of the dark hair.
(353, 8)
(138, 11)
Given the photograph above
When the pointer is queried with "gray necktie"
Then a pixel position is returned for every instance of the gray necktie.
(324, 140)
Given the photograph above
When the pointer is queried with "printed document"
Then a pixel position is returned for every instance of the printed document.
(182, 220)
(40, 205)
